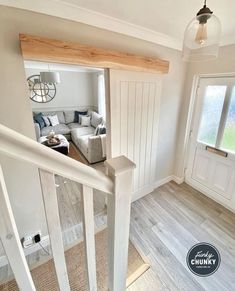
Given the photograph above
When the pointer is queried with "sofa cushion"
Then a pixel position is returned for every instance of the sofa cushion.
(96, 119)
(83, 143)
(46, 120)
(100, 129)
(69, 116)
(60, 115)
(77, 138)
(53, 120)
(58, 129)
(78, 115)
(73, 125)
(38, 119)
(85, 120)
(80, 131)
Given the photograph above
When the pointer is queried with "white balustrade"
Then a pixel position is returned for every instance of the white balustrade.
(118, 187)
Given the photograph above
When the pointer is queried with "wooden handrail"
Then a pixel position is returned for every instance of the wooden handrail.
(16, 145)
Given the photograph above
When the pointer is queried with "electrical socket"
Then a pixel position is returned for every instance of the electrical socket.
(28, 240)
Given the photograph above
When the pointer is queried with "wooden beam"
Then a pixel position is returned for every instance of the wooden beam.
(51, 50)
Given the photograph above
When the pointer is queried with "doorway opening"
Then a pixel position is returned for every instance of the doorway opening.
(77, 117)
(69, 115)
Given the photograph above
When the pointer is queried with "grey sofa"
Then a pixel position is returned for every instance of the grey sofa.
(82, 136)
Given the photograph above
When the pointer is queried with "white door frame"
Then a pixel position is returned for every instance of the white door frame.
(191, 111)
(190, 120)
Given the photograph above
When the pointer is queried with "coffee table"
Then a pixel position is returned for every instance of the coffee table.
(63, 147)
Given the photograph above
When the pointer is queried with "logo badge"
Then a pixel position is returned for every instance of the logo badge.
(203, 259)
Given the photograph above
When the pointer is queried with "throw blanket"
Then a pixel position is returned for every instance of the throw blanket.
(103, 144)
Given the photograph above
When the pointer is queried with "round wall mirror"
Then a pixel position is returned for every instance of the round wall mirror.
(40, 92)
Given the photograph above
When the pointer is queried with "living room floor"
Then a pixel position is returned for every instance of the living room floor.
(75, 154)
(165, 224)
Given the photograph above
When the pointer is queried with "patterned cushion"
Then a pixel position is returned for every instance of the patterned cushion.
(96, 119)
(53, 120)
(85, 120)
(100, 129)
(69, 116)
(60, 115)
(60, 128)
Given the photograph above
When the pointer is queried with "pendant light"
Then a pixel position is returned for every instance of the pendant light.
(202, 36)
(50, 77)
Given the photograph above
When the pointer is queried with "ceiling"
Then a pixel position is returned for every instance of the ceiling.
(161, 22)
(166, 16)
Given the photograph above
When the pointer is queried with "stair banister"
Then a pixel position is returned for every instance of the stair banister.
(119, 184)
(54, 228)
(23, 148)
(11, 242)
(120, 170)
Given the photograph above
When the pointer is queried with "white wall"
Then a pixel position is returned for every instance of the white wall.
(15, 109)
(225, 63)
(76, 89)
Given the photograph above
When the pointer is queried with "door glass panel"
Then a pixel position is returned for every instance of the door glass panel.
(211, 113)
(228, 141)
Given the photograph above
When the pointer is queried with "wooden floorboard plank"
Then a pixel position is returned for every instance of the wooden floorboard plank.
(156, 267)
(164, 225)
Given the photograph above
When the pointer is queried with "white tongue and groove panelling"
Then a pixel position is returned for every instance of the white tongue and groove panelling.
(134, 109)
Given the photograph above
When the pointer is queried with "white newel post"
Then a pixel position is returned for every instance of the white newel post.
(120, 170)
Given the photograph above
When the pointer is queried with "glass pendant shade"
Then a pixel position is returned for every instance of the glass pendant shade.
(50, 77)
(202, 38)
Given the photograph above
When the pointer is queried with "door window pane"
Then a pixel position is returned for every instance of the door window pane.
(211, 113)
(228, 141)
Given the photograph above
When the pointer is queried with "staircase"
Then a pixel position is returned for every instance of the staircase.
(117, 184)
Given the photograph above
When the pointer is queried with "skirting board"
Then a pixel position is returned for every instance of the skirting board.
(34, 248)
(137, 195)
(141, 193)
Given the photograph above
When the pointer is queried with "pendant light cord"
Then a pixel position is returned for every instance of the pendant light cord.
(205, 3)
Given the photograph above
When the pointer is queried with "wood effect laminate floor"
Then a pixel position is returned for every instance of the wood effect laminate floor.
(164, 226)
(167, 223)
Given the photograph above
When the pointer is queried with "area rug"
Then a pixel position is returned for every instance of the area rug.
(44, 276)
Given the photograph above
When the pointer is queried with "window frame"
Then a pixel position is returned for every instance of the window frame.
(229, 82)
(224, 116)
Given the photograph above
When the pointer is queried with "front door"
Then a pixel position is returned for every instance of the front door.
(211, 160)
